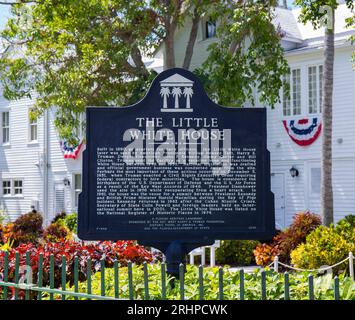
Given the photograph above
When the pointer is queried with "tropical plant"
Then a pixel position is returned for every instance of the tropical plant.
(6, 246)
(67, 220)
(121, 251)
(287, 240)
(71, 221)
(346, 228)
(56, 232)
(236, 252)
(26, 228)
(324, 246)
(298, 285)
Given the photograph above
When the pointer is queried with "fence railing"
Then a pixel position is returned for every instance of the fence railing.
(275, 264)
(26, 285)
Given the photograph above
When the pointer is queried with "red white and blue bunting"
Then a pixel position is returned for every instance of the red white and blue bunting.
(70, 151)
(304, 131)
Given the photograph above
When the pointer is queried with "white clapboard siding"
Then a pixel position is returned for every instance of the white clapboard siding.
(284, 152)
(21, 159)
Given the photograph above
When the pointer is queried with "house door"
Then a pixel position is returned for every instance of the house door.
(278, 188)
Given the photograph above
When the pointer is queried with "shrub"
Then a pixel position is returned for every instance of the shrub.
(324, 246)
(264, 254)
(239, 252)
(346, 228)
(27, 228)
(287, 240)
(56, 233)
(70, 221)
(58, 217)
(122, 251)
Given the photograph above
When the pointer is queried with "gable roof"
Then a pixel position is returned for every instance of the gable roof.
(176, 79)
(304, 35)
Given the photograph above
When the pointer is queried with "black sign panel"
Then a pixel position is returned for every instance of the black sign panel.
(176, 166)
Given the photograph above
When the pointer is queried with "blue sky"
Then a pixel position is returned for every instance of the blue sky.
(4, 14)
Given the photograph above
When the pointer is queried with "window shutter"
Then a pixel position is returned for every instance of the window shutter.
(59, 199)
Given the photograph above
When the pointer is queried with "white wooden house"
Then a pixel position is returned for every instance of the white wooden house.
(304, 51)
(26, 147)
(33, 171)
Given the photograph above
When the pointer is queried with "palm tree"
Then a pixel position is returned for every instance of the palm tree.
(188, 92)
(165, 92)
(327, 115)
(176, 93)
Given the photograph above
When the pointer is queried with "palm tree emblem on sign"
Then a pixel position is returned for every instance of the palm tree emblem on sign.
(176, 93)
(176, 85)
(165, 92)
(188, 92)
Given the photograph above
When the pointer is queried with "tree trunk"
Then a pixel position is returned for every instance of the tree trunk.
(327, 106)
(169, 47)
(192, 39)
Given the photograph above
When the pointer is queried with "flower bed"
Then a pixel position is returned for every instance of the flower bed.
(122, 251)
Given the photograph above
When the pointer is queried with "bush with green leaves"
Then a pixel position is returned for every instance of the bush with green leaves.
(323, 246)
(287, 240)
(68, 220)
(71, 221)
(236, 252)
(346, 228)
(56, 232)
(323, 285)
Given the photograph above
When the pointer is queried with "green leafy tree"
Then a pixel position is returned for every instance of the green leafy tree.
(70, 54)
(322, 14)
(248, 56)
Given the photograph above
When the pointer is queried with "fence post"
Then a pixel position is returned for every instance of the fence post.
(336, 289)
(263, 285)
(276, 264)
(310, 288)
(220, 283)
(212, 256)
(351, 265)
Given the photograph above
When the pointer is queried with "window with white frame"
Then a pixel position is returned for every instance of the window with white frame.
(315, 80)
(33, 132)
(6, 187)
(211, 29)
(296, 91)
(18, 185)
(77, 188)
(5, 127)
(12, 187)
(292, 104)
(286, 101)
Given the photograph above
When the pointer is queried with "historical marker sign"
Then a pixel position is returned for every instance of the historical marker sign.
(176, 166)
